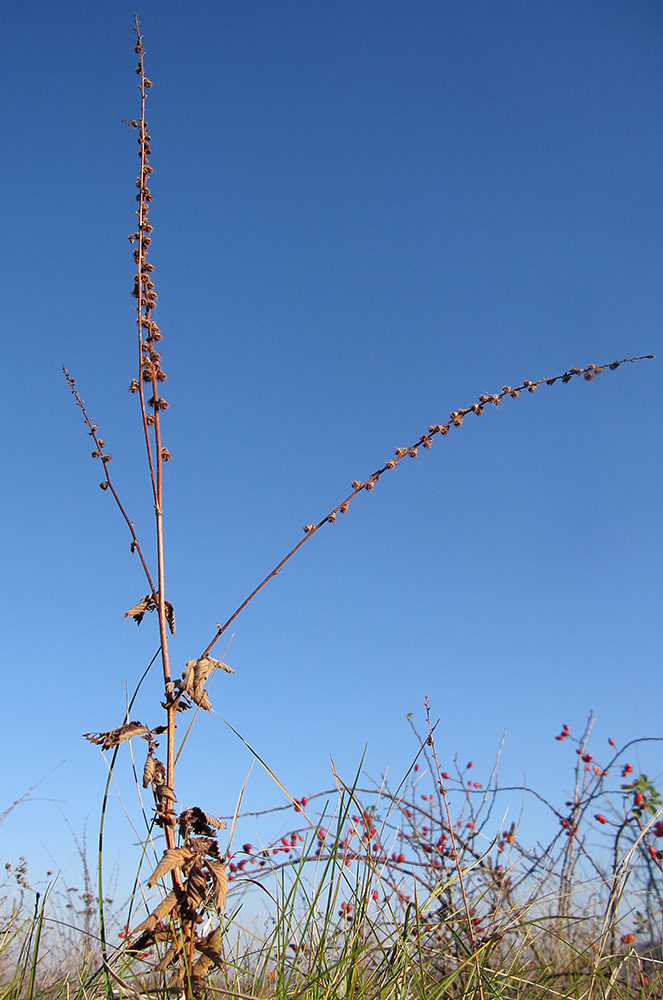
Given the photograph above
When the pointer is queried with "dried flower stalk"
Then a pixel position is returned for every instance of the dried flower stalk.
(425, 440)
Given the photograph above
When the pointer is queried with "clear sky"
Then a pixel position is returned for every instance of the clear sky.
(366, 214)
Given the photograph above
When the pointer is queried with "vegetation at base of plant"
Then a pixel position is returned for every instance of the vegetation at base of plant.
(420, 890)
(390, 895)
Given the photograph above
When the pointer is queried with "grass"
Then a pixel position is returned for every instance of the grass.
(418, 891)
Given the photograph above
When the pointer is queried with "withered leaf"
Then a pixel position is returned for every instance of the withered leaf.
(170, 616)
(146, 603)
(218, 824)
(165, 792)
(148, 770)
(195, 675)
(166, 906)
(201, 845)
(195, 886)
(171, 955)
(210, 946)
(173, 857)
(197, 821)
(217, 870)
(150, 603)
(115, 736)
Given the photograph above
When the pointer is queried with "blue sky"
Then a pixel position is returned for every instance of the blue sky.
(365, 215)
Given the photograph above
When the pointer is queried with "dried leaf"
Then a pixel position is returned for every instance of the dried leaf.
(166, 906)
(146, 603)
(173, 857)
(197, 821)
(115, 736)
(195, 886)
(170, 616)
(171, 956)
(201, 845)
(195, 676)
(217, 870)
(148, 770)
(165, 792)
(218, 824)
(210, 947)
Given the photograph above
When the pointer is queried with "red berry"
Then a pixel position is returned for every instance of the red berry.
(247, 847)
(611, 741)
(471, 764)
(445, 775)
(600, 818)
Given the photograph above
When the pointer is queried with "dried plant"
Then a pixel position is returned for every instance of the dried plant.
(193, 863)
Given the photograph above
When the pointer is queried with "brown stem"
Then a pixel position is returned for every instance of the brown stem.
(135, 544)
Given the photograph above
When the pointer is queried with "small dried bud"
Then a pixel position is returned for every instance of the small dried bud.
(344, 507)
(166, 455)
(148, 83)
(615, 364)
(413, 452)
(96, 453)
(456, 417)
(106, 458)
(515, 393)
(103, 486)
(369, 485)
(161, 375)
(477, 408)
(307, 528)
(399, 452)
(530, 386)
(551, 381)
(332, 517)
(426, 440)
(444, 429)
(356, 484)
(390, 464)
